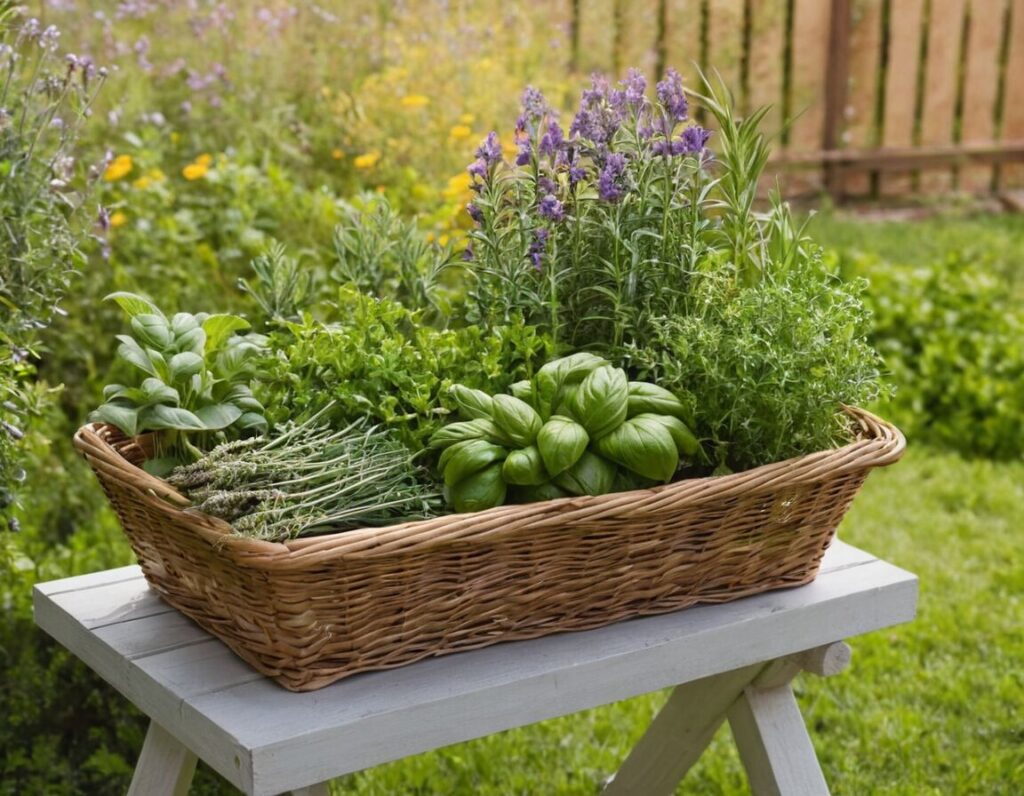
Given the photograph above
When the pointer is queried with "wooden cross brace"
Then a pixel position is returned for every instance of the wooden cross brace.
(765, 721)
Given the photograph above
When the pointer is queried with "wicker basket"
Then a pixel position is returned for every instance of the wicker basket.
(310, 611)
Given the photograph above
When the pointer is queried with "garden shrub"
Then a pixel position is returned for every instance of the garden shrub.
(952, 337)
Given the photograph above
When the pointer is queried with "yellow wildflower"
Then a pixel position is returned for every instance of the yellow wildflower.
(337, 154)
(380, 189)
(430, 237)
(415, 101)
(204, 160)
(118, 168)
(443, 240)
(460, 131)
(143, 182)
(195, 171)
(175, 137)
(467, 118)
(118, 219)
(325, 92)
(367, 160)
(156, 175)
(457, 185)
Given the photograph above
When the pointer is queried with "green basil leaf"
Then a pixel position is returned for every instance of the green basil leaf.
(465, 458)
(124, 417)
(472, 403)
(524, 467)
(241, 396)
(158, 417)
(522, 390)
(185, 365)
(516, 419)
(647, 398)
(114, 390)
(591, 475)
(643, 445)
(218, 416)
(601, 401)
(484, 489)
(152, 330)
(481, 428)
(134, 305)
(686, 442)
(561, 442)
(554, 376)
(183, 322)
(219, 328)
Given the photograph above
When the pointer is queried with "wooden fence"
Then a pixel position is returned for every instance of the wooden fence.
(884, 97)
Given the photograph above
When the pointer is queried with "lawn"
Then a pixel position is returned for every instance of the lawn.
(929, 707)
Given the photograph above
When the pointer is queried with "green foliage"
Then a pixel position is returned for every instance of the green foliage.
(763, 368)
(282, 288)
(951, 337)
(379, 361)
(193, 372)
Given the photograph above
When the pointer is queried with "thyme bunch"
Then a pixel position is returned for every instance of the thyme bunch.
(310, 479)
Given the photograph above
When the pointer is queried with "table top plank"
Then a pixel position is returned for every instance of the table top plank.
(266, 740)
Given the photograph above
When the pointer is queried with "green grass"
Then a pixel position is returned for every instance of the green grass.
(932, 707)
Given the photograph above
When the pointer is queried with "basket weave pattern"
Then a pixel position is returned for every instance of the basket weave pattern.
(310, 611)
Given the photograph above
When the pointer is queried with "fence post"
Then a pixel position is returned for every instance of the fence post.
(837, 77)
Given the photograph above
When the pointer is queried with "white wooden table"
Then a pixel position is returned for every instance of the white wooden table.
(731, 661)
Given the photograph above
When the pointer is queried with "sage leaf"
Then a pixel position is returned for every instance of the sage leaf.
(561, 442)
(133, 305)
(524, 467)
(170, 417)
(217, 416)
(185, 365)
(219, 328)
(516, 419)
(125, 418)
(152, 330)
(642, 444)
(601, 402)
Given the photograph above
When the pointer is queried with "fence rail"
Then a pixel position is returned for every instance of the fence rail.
(885, 97)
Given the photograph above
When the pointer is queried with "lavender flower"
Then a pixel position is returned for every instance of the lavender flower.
(694, 139)
(546, 185)
(534, 109)
(490, 149)
(671, 96)
(600, 114)
(550, 207)
(552, 140)
(537, 246)
(610, 183)
(525, 150)
(634, 88)
(467, 253)
(475, 213)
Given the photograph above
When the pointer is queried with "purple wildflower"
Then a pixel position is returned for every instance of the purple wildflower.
(671, 96)
(534, 108)
(467, 253)
(552, 140)
(635, 85)
(550, 207)
(546, 185)
(475, 213)
(525, 150)
(537, 246)
(694, 139)
(609, 184)
(600, 114)
(490, 149)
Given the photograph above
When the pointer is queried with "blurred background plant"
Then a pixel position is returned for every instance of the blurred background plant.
(250, 141)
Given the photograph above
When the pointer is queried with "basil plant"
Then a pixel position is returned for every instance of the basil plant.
(192, 387)
(579, 427)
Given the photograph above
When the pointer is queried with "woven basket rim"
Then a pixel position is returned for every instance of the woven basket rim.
(878, 444)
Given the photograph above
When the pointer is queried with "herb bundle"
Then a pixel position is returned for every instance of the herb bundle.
(310, 479)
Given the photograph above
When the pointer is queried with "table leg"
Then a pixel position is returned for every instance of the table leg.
(679, 734)
(774, 745)
(165, 767)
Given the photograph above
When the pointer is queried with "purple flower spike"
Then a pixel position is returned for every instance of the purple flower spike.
(489, 150)
(600, 115)
(534, 108)
(550, 207)
(671, 96)
(609, 184)
(537, 246)
(478, 168)
(635, 85)
(525, 151)
(467, 254)
(552, 140)
(694, 139)
(475, 213)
